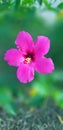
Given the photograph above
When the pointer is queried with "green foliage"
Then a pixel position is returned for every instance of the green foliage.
(40, 2)
(58, 97)
(6, 100)
(27, 2)
(17, 4)
(36, 100)
(46, 2)
(48, 87)
(9, 108)
(60, 6)
(4, 6)
(49, 6)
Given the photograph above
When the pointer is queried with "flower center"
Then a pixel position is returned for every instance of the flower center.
(27, 60)
(29, 57)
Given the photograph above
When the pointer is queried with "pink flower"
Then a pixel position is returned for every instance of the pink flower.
(29, 56)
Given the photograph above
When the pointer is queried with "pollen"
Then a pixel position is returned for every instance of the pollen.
(28, 60)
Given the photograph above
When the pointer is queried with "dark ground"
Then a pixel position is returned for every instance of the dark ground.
(47, 117)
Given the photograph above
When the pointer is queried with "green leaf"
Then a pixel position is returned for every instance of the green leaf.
(58, 76)
(17, 4)
(5, 96)
(40, 2)
(41, 89)
(60, 6)
(46, 3)
(36, 100)
(6, 100)
(58, 97)
(9, 109)
(4, 6)
(27, 2)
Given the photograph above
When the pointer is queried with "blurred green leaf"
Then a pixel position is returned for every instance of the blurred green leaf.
(41, 89)
(46, 3)
(6, 100)
(40, 2)
(58, 97)
(60, 6)
(36, 100)
(9, 109)
(49, 6)
(27, 2)
(4, 6)
(5, 96)
(58, 76)
(17, 4)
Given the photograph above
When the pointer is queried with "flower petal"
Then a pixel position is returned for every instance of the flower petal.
(42, 45)
(24, 41)
(44, 65)
(25, 73)
(13, 57)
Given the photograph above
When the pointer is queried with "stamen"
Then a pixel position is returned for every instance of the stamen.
(27, 60)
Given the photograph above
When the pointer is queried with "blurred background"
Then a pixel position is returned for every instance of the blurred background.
(38, 17)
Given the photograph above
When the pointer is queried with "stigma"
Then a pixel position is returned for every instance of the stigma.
(27, 60)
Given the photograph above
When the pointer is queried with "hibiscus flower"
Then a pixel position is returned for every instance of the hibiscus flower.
(29, 56)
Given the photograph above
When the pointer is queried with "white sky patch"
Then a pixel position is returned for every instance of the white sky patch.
(49, 17)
